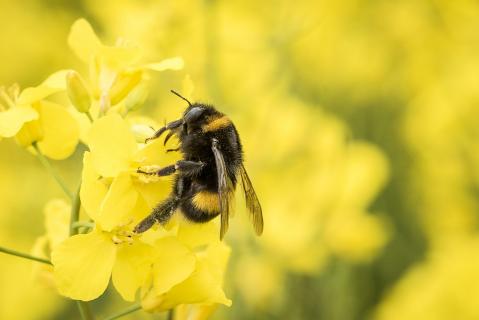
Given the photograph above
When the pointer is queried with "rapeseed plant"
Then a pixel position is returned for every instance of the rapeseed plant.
(166, 267)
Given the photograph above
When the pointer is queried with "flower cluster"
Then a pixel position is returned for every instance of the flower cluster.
(180, 264)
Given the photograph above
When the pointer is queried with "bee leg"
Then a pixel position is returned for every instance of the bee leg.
(170, 150)
(161, 213)
(189, 168)
(184, 167)
(172, 125)
(165, 171)
(168, 136)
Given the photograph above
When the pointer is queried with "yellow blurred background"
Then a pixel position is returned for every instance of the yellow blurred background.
(360, 124)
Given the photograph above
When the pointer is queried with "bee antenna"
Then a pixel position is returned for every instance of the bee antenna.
(179, 95)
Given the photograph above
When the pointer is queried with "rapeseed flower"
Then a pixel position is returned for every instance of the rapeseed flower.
(172, 266)
(30, 118)
(181, 264)
(114, 71)
(203, 286)
(112, 192)
(57, 220)
(169, 269)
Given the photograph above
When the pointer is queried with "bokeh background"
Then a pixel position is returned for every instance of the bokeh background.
(360, 123)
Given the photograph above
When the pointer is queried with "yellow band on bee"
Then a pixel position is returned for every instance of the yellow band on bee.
(216, 124)
(207, 201)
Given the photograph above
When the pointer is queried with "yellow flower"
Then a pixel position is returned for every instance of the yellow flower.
(83, 265)
(116, 198)
(351, 232)
(29, 118)
(184, 264)
(260, 281)
(114, 70)
(112, 193)
(203, 286)
(444, 285)
(57, 218)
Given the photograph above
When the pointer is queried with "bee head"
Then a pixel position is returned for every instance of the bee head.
(198, 115)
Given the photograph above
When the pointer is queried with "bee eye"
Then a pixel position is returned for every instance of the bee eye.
(193, 114)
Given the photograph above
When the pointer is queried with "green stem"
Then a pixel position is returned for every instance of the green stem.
(171, 314)
(24, 255)
(85, 310)
(75, 213)
(89, 116)
(52, 171)
(122, 313)
(83, 224)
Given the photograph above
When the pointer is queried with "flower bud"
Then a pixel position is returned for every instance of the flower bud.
(78, 92)
(122, 86)
(142, 132)
(137, 97)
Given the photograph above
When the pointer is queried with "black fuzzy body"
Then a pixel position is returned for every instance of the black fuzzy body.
(196, 146)
(201, 131)
(206, 178)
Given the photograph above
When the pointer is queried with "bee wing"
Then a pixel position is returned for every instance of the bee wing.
(224, 185)
(252, 202)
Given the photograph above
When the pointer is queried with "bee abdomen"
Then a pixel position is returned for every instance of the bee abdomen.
(206, 201)
(202, 207)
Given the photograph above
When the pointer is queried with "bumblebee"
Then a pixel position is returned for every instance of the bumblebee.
(206, 178)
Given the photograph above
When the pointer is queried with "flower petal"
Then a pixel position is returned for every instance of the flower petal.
(118, 58)
(83, 40)
(131, 269)
(93, 190)
(216, 258)
(142, 131)
(12, 120)
(154, 153)
(203, 286)
(112, 145)
(140, 211)
(116, 208)
(198, 234)
(175, 63)
(61, 132)
(154, 192)
(56, 82)
(84, 124)
(174, 263)
(83, 264)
